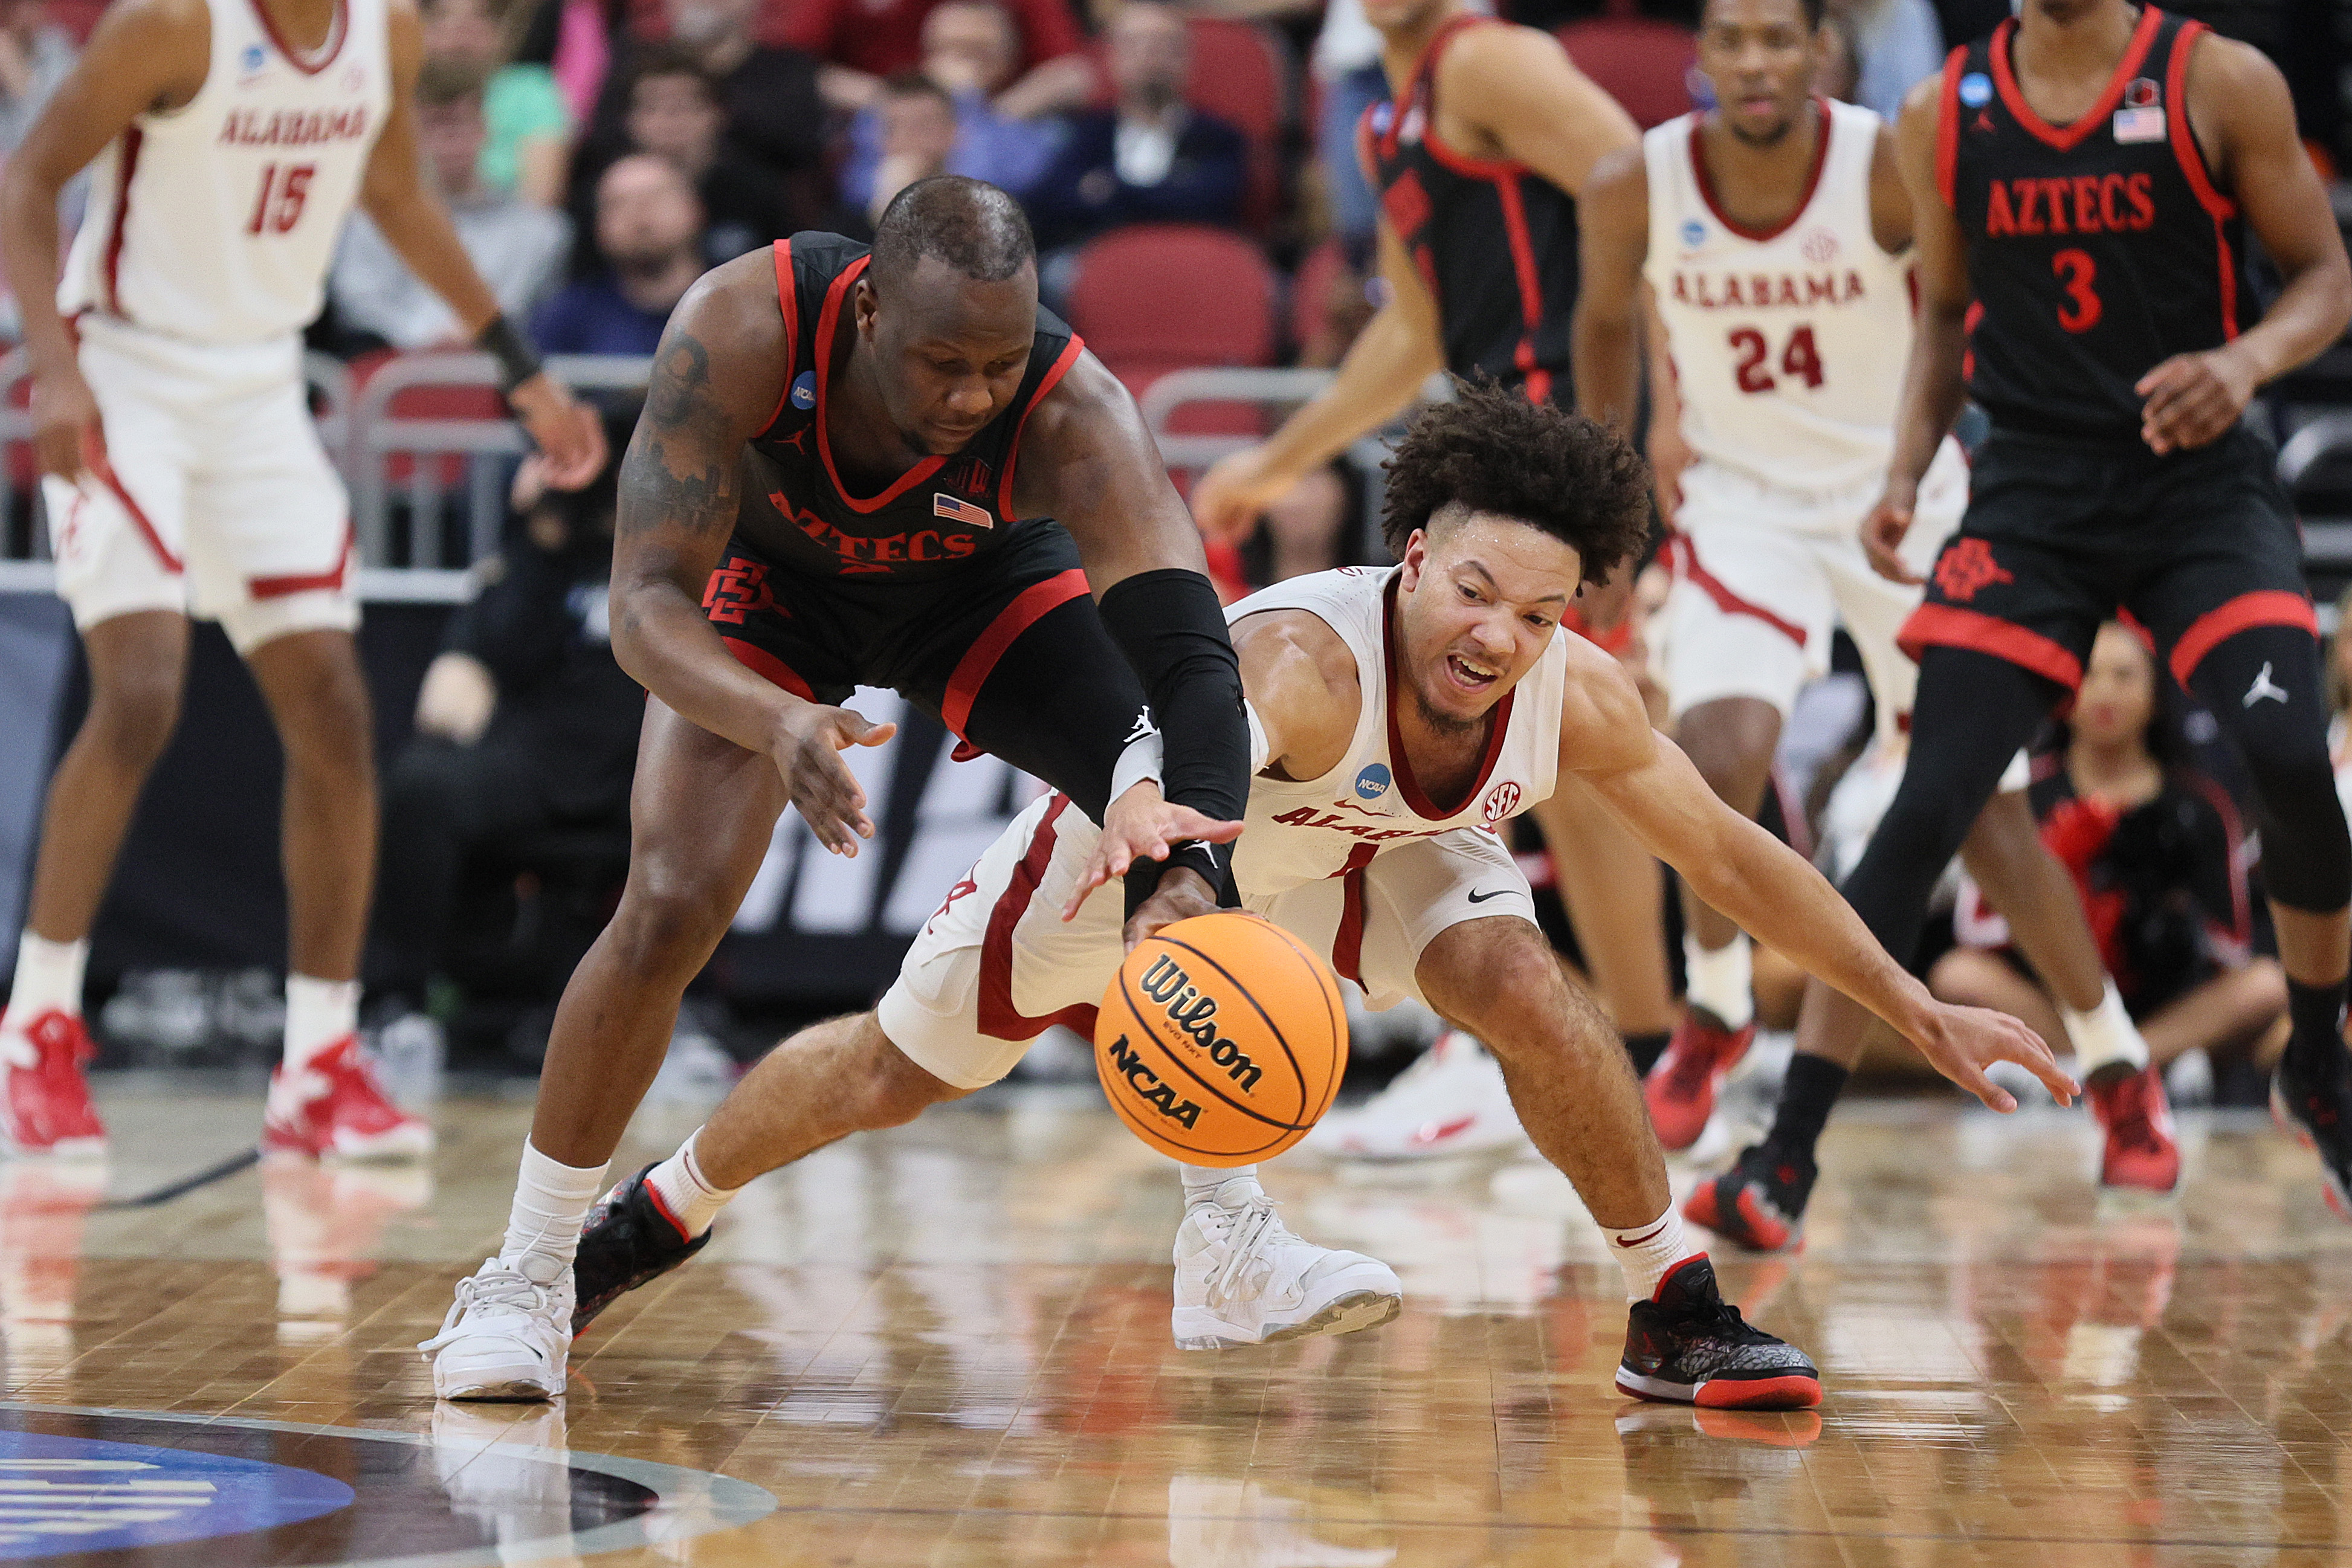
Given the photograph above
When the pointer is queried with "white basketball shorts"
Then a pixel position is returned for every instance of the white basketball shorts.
(996, 965)
(215, 500)
(1763, 576)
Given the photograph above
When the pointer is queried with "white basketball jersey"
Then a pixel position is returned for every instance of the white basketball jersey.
(1303, 832)
(1788, 347)
(216, 221)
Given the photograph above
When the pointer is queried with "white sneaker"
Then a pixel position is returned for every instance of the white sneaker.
(1452, 1102)
(507, 1334)
(1242, 1278)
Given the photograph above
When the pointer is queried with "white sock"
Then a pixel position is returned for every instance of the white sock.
(550, 1200)
(2103, 1035)
(685, 1193)
(1723, 980)
(48, 975)
(1201, 1182)
(318, 1014)
(1647, 1251)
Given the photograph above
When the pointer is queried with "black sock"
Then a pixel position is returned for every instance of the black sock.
(1813, 1088)
(1645, 1050)
(2317, 1013)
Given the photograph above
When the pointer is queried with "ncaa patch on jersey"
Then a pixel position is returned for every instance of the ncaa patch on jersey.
(1373, 782)
(805, 390)
(251, 61)
(1694, 233)
(1975, 90)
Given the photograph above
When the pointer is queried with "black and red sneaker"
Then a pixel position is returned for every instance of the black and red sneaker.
(1688, 1346)
(2141, 1153)
(628, 1239)
(1758, 1203)
(1680, 1089)
(2313, 1100)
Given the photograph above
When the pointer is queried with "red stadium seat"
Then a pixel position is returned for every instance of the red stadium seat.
(1156, 298)
(1643, 63)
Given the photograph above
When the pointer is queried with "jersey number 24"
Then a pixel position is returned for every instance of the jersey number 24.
(1799, 360)
(278, 205)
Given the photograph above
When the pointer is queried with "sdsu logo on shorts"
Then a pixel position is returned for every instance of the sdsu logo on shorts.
(1502, 802)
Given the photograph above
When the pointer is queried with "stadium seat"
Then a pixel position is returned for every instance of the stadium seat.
(1156, 297)
(1643, 63)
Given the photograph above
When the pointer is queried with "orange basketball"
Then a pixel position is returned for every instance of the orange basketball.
(1222, 1039)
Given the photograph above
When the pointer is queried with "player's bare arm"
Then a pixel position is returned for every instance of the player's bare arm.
(1513, 92)
(1606, 744)
(717, 378)
(1399, 349)
(569, 436)
(1612, 216)
(145, 56)
(2243, 120)
(1089, 462)
(1933, 388)
(1890, 201)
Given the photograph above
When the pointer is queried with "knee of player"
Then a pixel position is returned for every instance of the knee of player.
(1730, 742)
(897, 1091)
(1508, 990)
(134, 712)
(665, 913)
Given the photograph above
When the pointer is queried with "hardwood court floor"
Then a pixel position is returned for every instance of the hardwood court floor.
(949, 1345)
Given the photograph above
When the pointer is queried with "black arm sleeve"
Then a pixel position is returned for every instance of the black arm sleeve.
(1173, 630)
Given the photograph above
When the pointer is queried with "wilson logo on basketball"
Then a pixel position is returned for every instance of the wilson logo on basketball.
(1146, 1085)
(1502, 802)
(1167, 983)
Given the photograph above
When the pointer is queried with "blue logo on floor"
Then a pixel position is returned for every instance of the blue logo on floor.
(72, 1495)
(1373, 782)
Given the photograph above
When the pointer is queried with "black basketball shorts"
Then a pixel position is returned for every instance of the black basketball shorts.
(2061, 535)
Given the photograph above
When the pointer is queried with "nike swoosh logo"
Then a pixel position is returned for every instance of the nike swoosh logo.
(1645, 1236)
(1483, 897)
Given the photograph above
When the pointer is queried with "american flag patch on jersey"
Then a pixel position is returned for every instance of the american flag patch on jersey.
(946, 506)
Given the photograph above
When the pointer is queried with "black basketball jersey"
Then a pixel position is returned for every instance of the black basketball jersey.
(941, 512)
(2096, 250)
(1494, 241)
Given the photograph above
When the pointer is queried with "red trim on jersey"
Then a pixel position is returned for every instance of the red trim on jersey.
(2065, 138)
(827, 323)
(1348, 941)
(999, 1018)
(788, 303)
(1407, 785)
(971, 672)
(1523, 263)
(1683, 560)
(1424, 75)
(1948, 126)
(2220, 208)
(1812, 181)
(307, 582)
(124, 168)
(1051, 379)
(2264, 607)
(336, 31)
(95, 458)
(1948, 626)
(766, 665)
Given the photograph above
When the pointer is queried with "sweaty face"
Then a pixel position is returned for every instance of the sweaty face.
(951, 349)
(1477, 604)
(2118, 691)
(1762, 57)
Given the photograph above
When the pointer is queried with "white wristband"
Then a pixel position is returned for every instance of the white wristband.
(1139, 762)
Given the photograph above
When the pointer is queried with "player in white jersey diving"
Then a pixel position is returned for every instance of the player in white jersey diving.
(1773, 235)
(1398, 715)
(183, 479)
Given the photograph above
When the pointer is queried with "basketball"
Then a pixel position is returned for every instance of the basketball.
(1222, 1039)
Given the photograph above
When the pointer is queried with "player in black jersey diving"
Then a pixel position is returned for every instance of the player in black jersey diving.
(843, 477)
(2082, 182)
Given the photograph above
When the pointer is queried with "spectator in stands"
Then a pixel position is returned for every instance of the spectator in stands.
(1148, 159)
(649, 234)
(675, 113)
(35, 56)
(1896, 45)
(862, 41)
(528, 148)
(770, 112)
(518, 248)
(917, 117)
(2156, 851)
(525, 725)
(970, 48)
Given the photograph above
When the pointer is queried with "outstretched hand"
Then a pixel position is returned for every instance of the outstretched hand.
(1961, 1042)
(807, 754)
(568, 435)
(1141, 824)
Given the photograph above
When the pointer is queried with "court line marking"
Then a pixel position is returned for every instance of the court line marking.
(241, 1160)
(696, 1502)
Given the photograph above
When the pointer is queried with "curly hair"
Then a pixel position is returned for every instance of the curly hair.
(1491, 450)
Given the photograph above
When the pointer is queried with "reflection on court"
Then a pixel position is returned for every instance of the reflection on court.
(948, 1345)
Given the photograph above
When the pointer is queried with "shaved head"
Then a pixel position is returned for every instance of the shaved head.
(977, 231)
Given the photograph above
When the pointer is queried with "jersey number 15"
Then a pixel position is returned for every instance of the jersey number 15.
(278, 205)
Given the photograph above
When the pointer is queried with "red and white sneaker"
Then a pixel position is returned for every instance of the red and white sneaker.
(1680, 1090)
(333, 1109)
(2137, 1119)
(46, 1108)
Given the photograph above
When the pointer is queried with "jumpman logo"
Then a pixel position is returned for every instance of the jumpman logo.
(2264, 687)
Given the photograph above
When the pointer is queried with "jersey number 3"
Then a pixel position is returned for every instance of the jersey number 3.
(2078, 272)
(1799, 361)
(279, 206)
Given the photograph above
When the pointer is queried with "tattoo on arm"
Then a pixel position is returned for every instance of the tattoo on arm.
(679, 483)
